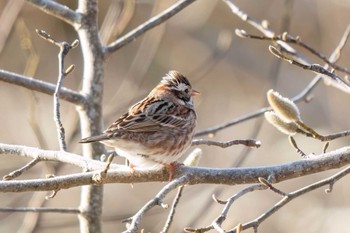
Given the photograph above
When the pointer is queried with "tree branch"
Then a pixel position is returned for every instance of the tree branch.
(157, 200)
(122, 174)
(86, 164)
(246, 142)
(293, 195)
(216, 224)
(334, 79)
(64, 50)
(301, 96)
(20, 171)
(41, 86)
(58, 10)
(149, 24)
(297, 40)
(41, 210)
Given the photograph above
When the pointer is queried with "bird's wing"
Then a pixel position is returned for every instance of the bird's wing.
(153, 116)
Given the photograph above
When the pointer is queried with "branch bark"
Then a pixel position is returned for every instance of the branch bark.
(58, 10)
(196, 175)
(91, 114)
(41, 86)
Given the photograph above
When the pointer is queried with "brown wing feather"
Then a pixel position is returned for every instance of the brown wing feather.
(154, 116)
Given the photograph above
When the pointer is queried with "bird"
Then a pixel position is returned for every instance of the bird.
(156, 131)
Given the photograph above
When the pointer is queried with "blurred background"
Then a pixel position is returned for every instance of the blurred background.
(233, 76)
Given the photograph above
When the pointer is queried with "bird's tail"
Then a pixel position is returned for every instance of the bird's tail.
(97, 138)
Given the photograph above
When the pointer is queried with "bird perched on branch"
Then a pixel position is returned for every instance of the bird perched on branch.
(157, 130)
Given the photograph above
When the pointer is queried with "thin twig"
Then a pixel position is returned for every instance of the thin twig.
(295, 40)
(335, 79)
(271, 187)
(64, 50)
(286, 198)
(333, 136)
(101, 175)
(20, 171)
(303, 95)
(246, 142)
(263, 27)
(217, 200)
(136, 219)
(42, 86)
(295, 146)
(191, 160)
(151, 23)
(293, 195)
(172, 210)
(216, 224)
(309, 132)
(238, 120)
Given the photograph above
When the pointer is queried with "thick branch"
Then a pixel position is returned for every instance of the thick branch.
(151, 23)
(58, 10)
(229, 176)
(59, 156)
(41, 86)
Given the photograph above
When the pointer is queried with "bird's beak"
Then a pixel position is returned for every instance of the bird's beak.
(194, 93)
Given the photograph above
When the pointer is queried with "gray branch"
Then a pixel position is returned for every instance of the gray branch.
(151, 23)
(41, 210)
(58, 10)
(197, 175)
(41, 86)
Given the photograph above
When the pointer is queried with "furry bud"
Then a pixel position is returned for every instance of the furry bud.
(289, 128)
(284, 107)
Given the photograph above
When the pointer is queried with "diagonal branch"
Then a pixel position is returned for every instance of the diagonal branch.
(263, 27)
(293, 195)
(334, 79)
(41, 86)
(58, 10)
(149, 24)
(20, 171)
(136, 219)
(301, 96)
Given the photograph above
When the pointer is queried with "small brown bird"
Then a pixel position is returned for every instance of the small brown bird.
(157, 130)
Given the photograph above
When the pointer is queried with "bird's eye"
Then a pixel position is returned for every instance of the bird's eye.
(186, 91)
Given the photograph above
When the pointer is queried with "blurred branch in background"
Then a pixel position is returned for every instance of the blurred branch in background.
(141, 62)
(151, 23)
(117, 19)
(8, 18)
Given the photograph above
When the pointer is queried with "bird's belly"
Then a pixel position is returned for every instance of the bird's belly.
(152, 153)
